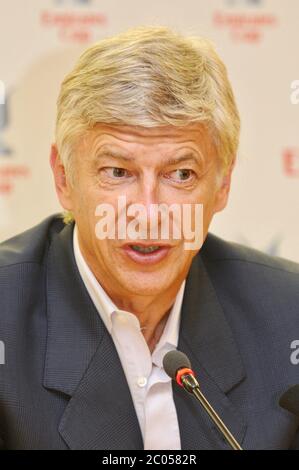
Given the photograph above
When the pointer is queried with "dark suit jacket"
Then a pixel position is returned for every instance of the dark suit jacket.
(62, 385)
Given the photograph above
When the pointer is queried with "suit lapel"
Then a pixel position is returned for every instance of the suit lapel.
(206, 337)
(82, 362)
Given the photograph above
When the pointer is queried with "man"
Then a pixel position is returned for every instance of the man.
(86, 319)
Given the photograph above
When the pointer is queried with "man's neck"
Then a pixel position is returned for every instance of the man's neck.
(152, 312)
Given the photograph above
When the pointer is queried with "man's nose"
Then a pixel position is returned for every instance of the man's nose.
(148, 194)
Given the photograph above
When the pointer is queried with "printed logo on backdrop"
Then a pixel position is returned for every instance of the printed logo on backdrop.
(290, 155)
(246, 21)
(75, 21)
(84, 2)
(4, 148)
(294, 96)
(9, 171)
(290, 162)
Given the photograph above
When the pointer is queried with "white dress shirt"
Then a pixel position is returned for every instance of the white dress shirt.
(150, 386)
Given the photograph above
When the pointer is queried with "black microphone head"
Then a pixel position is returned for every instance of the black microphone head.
(290, 400)
(173, 361)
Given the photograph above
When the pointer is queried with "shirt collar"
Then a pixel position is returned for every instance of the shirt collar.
(106, 307)
(102, 301)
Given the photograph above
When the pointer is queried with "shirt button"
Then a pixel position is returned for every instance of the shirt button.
(141, 381)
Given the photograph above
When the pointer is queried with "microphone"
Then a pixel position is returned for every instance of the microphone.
(177, 365)
(290, 400)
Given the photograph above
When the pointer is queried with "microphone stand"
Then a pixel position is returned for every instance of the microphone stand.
(190, 384)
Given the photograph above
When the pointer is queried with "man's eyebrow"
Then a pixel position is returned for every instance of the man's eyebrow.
(184, 158)
(112, 154)
(191, 156)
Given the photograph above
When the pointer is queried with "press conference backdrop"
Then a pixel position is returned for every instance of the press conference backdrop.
(257, 39)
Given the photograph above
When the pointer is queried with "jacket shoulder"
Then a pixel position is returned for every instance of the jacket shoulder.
(216, 249)
(30, 246)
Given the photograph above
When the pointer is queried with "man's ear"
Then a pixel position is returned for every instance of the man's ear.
(222, 193)
(62, 184)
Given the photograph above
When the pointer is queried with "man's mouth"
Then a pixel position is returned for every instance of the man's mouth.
(145, 249)
(146, 254)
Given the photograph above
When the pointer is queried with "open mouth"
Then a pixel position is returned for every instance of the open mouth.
(146, 254)
(145, 249)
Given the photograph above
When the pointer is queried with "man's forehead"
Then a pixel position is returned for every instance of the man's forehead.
(127, 134)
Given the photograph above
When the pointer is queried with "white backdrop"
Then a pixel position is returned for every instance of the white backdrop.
(257, 39)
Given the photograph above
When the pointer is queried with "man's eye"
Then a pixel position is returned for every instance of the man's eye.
(181, 175)
(115, 172)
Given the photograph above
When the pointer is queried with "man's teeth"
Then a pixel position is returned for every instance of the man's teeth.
(145, 249)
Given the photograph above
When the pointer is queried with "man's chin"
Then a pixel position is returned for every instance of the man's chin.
(153, 285)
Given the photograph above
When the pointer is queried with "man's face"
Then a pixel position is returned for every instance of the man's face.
(148, 166)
